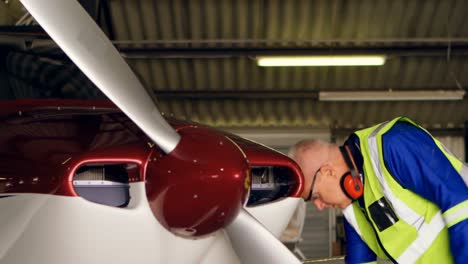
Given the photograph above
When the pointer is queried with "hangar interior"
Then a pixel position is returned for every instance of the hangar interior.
(198, 60)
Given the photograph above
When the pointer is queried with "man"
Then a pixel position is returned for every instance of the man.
(404, 197)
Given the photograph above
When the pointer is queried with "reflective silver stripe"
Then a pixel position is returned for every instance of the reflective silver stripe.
(460, 212)
(399, 206)
(427, 233)
(348, 213)
(464, 173)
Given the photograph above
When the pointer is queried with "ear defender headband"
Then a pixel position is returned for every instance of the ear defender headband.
(350, 182)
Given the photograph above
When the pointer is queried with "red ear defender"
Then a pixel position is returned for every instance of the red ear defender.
(350, 182)
(351, 186)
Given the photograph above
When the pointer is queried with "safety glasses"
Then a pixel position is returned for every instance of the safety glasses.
(309, 197)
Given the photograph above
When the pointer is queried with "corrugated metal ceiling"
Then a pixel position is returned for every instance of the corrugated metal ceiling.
(305, 25)
(286, 22)
(197, 58)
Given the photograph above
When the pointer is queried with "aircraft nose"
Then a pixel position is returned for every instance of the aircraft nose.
(200, 186)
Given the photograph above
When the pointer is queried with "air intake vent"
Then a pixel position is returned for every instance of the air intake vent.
(270, 183)
(103, 184)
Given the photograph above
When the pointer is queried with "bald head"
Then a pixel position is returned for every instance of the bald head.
(307, 145)
(323, 161)
(310, 154)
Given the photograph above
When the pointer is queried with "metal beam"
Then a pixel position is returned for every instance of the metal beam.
(229, 48)
(190, 52)
(23, 31)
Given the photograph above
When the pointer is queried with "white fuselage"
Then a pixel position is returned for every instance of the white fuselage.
(40, 228)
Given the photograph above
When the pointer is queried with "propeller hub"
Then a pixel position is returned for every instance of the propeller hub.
(200, 186)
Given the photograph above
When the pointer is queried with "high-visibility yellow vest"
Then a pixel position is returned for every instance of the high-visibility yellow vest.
(418, 231)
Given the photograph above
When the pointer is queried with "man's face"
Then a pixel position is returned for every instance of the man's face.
(326, 191)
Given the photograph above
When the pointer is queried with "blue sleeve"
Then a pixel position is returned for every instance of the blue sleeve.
(357, 250)
(417, 163)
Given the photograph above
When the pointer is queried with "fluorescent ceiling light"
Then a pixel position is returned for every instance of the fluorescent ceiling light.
(434, 95)
(353, 60)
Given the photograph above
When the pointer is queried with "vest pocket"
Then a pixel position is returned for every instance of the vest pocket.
(382, 214)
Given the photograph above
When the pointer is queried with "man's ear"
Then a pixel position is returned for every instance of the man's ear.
(329, 170)
(326, 169)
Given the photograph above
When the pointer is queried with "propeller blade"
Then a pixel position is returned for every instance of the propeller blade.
(68, 24)
(253, 243)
